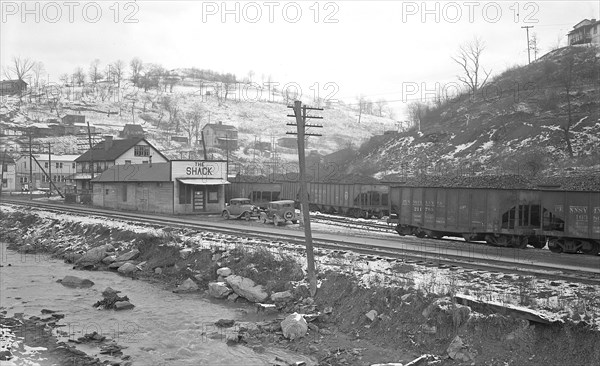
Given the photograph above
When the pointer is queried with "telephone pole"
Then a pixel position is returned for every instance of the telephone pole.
(301, 117)
(528, 46)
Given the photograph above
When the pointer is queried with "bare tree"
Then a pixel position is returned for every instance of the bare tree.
(137, 67)
(79, 76)
(37, 70)
(171, 103)
(94, 71)
(469, 59)
(380, 103)
(416, 112)
(64, 79)
(190, 122)
(362, 104)
(118, 72)
(534, 45)
(250, 76)
(19, 68)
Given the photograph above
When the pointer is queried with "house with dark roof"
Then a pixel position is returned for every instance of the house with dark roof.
(586, 31)
(112, 152)
(131, 130)
(9, 172)
(220, 136)
(12, 87)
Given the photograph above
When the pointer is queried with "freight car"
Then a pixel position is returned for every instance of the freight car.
(357, 200)
(568, 221)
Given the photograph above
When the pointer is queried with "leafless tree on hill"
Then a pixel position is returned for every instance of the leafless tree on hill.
(469, 59)
(38, 71)
(118, 72)
(19, 68)
(534, 45)
(79, 76)
(172, 104)
(380, 103)
(191, 121)
(94, 71)
(416, 112)
(137, 66)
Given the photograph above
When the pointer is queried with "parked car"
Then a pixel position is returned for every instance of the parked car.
(279, 212)
(238, 208)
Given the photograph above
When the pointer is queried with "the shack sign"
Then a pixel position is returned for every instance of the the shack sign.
(199, 169)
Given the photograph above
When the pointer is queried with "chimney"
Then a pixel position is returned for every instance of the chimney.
(108, 142)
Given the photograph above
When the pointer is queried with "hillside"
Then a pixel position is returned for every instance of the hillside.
(165, 114)
(517, 124)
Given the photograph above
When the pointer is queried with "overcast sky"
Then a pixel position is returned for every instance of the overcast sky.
(364, 47)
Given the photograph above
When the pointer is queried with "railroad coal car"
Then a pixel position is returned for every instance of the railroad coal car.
(568, 221)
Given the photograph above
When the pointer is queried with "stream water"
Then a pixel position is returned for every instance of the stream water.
(164, 328)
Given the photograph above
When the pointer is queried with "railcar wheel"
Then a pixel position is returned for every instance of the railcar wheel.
(590, 248)
(554, 246)
(519, 242)
(537, 243)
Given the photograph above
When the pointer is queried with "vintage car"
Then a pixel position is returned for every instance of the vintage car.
(279, 212)
(238, 208)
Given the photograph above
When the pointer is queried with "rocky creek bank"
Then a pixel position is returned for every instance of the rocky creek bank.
(345, 323)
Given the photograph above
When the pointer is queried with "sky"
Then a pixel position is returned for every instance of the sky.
(393, 50)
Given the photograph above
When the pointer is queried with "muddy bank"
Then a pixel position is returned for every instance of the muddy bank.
(348, 321)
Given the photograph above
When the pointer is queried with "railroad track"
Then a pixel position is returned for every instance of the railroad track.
(428, 252)
(352, 224)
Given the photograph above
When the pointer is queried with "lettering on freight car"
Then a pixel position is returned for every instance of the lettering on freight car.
(581, 217)
(578, 209)
(405, 202)
(558, 208)
(429, 203)
(417, 208)
(596, 210)
(417, 203)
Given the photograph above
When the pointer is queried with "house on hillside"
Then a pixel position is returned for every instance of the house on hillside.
(75, 124)
(113, 152)
(45, 168)
(8, 169)
(586, 31)
(132, 131)
(220, 136)
(13, 87)
(71, 119)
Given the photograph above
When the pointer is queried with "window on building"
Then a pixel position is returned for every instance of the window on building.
(4, 183)
(124, 192)
(45, 164)
(185, 194)
(213, 194)
(57, 165)
(4, 168)
(144, 161)
(141, 150)
(25, 164)
(73, 166)
(127, 161)
(106, 192)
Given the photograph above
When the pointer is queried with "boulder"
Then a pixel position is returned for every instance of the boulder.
(371, 315)
(72, 281)
(129, 256)
(184, 253)
(219, 290)
(246, 288)
(94, 255)
(225, 323)
(281, 296)
(457, 350)
(71, 257)
(127, 268)
(158, 270)
(224, 272)
(116, 265)
(294, 326)
(109, 292)
(233, 297)
(123, 305)
(108, 260)
(187, 286)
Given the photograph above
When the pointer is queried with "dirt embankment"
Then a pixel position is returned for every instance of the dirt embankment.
(348, 324)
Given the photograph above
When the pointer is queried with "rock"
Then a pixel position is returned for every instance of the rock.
(371, 315)
(108, 260)
(158, 270)
(48, 311)
(72, 281)
(115, 265)
(224, 272)
(94, 255)
(246, 288)
(216, 257)
(233, 297)
(294, 326)
(109, 292)
(406, 297)
(71, 257)
(457, 350)
(225, 323)
(127, 268)
(123, 305)
(187, 286)
(281, 296)
(185, 253)
(219, 290)
(129, 256)
(5, 355)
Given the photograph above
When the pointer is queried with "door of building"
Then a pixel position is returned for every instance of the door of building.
(198, 199)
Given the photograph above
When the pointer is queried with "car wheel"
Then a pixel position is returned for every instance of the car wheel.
(247, 216)
(225, 215)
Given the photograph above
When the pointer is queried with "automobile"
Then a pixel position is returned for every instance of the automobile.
(280, 212)
(238, 208)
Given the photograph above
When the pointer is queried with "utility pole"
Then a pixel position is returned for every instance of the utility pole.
(49, 170)
(30, 167)
(301, 116)
(91, 155)
(528, 46)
